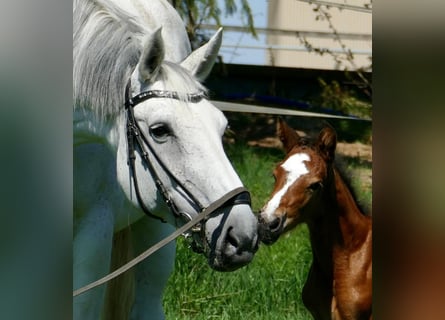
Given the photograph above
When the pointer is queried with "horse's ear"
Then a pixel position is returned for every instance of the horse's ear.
(200, 62)
(152, 56)
(327, 142)
(287, 135)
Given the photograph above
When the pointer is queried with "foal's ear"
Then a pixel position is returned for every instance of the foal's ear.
(200, 62)
(287, 135)
(327, 142)
(152, 56)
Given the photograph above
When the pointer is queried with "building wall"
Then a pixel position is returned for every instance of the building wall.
(354, 29)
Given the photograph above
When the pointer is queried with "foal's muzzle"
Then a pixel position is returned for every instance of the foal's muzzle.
(270, 231)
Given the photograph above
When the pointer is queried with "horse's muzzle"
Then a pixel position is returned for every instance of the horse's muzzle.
(234, 241)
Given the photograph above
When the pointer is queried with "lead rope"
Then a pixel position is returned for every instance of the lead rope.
(207, 211)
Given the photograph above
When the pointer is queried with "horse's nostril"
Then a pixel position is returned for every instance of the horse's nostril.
(231, 239)
(240, 244)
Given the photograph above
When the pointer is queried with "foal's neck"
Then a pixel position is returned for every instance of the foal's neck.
(354, 225)
(339, 224)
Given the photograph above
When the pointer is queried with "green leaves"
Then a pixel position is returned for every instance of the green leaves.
(197, 12)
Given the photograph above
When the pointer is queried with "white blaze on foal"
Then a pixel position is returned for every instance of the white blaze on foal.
(295, 168)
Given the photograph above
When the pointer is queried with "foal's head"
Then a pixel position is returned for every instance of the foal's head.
(299, 180)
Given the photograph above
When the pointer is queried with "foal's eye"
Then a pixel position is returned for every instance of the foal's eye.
(315, 186)
(160, 132)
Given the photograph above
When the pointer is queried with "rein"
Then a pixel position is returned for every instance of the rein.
(136, 138)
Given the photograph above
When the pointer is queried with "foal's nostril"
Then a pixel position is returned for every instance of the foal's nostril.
(275, 225)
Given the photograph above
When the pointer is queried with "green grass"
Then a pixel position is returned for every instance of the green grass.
(268, 288)
(254, 166)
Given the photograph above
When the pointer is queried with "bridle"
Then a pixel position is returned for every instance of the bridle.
(137, 140)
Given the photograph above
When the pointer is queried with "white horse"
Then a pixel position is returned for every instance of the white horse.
(142, 46)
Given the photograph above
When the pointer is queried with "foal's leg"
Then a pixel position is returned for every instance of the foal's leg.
(152, 274)
(317, 295)
(91, 257)
(334, 310)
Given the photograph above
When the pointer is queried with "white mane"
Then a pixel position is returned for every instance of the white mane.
(107, 46)
(106, 49)
(175, 78)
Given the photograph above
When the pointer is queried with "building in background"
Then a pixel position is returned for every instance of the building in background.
(295, 25)
(299, 58)
(292, 33)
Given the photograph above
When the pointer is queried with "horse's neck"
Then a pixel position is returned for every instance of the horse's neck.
(338, 225)
(87, 128)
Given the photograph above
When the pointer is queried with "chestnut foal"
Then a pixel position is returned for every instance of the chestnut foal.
(308, 188)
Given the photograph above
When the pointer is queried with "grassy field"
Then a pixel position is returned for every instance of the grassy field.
(269, 287)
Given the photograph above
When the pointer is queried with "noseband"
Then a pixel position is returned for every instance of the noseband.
(137, 139)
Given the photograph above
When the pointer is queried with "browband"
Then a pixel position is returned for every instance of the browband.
(145, 95)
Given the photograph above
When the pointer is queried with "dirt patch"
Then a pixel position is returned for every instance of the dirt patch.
(356, 149)
(353, 150)
(259, 130)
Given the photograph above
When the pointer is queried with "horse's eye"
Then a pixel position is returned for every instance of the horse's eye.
(160, 132)
(315, 186)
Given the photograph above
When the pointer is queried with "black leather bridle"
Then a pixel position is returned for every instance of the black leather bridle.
(137, 139)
